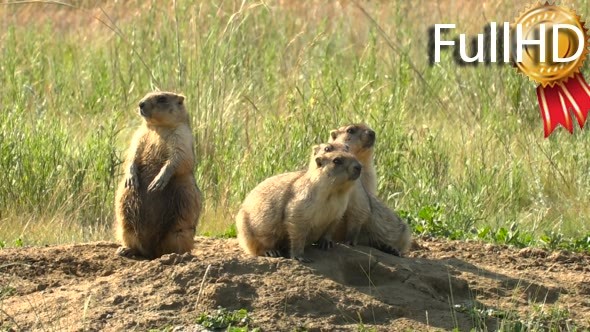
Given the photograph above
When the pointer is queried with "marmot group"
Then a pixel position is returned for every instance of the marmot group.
(289, 211)
(385, 230)
(158, 203)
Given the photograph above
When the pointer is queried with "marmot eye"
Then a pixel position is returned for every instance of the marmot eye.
(327, 149)
(161, 100)
(350, 130)
(337, 161)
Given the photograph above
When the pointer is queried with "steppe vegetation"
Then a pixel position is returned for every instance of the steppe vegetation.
(460, 150)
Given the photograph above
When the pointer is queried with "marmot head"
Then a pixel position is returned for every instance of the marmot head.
(359, 137)
(328, 147)
(163, 109)
(340, 167)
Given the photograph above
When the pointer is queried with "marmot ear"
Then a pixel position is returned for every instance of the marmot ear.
(315, 149)
(180, 99)
(334, 134)
(318, 161)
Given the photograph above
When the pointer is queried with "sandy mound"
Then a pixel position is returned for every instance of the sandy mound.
(85, 286)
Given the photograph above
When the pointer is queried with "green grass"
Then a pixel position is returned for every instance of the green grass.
(264, 82)
(225, 320)
(538, 318)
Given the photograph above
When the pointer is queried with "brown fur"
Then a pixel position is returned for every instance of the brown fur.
(360, 139)
(368, 220)
(358, 211)
(158, 203)
(289, 211)
(386, 231)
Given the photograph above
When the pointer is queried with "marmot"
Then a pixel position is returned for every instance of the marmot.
(158, 203)
(385, 230)
(289, 211)
(361, 141)
(358, 211)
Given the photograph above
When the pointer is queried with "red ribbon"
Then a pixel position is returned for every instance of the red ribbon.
(556, 102)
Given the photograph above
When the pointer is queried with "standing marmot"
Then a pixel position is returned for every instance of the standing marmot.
(286, 212)
(158, 203)
(385, 230)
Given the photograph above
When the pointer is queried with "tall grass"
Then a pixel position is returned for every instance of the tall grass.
(460, 147)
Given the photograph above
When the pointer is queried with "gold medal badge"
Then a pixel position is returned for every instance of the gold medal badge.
(555, 66)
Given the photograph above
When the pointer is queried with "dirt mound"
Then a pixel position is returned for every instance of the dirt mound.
(439, 286)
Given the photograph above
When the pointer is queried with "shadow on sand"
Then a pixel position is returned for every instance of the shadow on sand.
(419, 289)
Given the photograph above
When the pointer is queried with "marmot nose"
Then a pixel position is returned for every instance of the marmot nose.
(141, 104)
(371, 134)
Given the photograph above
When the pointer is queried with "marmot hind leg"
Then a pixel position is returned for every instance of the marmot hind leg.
(128, 214)
(179, 240)
(388, 249)
(127, 252)
(183, 215)
(247, 239)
